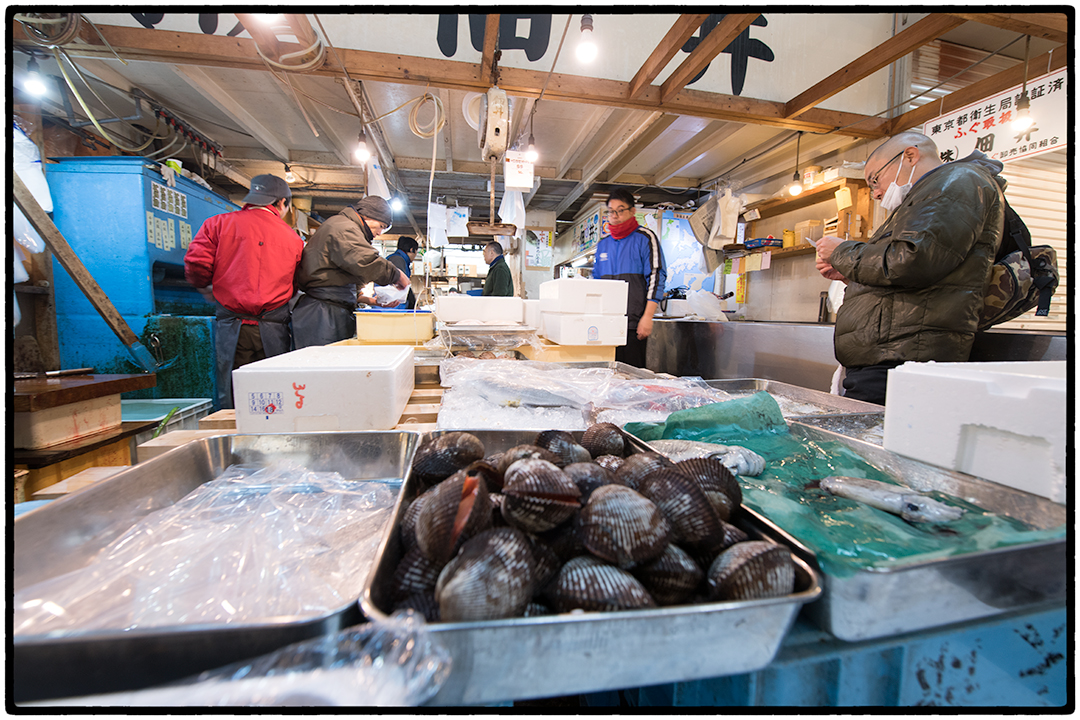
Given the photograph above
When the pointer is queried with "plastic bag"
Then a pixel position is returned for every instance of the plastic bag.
(392, 662)
(390, 295)
(253, 545)
(705, 305)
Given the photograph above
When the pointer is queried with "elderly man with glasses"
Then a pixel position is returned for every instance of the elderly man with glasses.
(915, 289)
(337, 261)
(631, 253)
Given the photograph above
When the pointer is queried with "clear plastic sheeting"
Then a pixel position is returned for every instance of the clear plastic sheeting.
(256, 544)
(480, 337)
(393, 662)
(493, 394)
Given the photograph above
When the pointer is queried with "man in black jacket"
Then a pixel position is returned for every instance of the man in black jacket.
(499, 282)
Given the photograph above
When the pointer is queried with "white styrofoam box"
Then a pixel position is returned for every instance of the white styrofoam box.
(580, 329)
(1004, 422)
(677, 308)
(451, 308)
(533, 316)
(63, 423)
(333, 387)
(580, 295)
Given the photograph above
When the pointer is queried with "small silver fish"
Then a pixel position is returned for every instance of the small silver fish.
(896, 499)
(738, 460)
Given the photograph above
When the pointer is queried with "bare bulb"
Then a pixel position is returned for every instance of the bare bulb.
(290, 176)
(362, 153)
(33, 84)
(1022, 122)
(396, 205)
(530, 154)
(795, 189)
(586, 49)
(269, 19)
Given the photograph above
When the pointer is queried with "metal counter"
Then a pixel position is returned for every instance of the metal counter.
(800, 353)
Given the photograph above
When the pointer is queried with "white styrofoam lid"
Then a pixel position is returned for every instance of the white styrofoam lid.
(336, 357)
(1050, 369)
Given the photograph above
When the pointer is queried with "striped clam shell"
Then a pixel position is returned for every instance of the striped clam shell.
(671, 578)
(603, 439)
(491, 578)
(490, 473)
(693, 520)
(705, 553)
(423, 603)
(564, 541)
(593, 585)
(622, 527)
(521, 452)
(752, 570)
(588, 476)
(538, 496)
(563, 445)
(444, 455)
(636, 467)
(546, 563)
(457, 510)
(720, 485)
(414, 573)
(535, 609)
(610, 462)
(407, 528)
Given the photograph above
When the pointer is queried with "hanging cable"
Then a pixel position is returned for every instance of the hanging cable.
(90, 87)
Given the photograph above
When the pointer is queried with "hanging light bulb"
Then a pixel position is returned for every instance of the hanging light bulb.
(1023, 119)
(362, 153)
(586, 49)
(290, 176)
(531, 155)
(396, 205)
(33, 84)
(269, 19)
(796, 182)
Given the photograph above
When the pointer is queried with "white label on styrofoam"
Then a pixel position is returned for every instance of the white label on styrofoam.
(265, 403)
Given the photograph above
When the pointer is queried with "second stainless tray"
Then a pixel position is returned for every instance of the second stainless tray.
(797, 401)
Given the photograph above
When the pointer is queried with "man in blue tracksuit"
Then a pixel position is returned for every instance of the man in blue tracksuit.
(631, 253)
(402, 258)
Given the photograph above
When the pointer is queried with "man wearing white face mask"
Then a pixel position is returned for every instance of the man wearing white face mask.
(914, 290)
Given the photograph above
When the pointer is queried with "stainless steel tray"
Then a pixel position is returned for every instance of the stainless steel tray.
(795, 401)
(65, 534)
(565, 654)
(930, 593)
(868, 427)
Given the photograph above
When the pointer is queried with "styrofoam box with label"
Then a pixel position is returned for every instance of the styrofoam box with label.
(580, 295)
(451, 308)
(317, 389)
(1004, 422)
(581, 329)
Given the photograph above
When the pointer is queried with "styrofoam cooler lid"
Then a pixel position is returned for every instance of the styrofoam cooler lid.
(335, 357)
(1019, 376)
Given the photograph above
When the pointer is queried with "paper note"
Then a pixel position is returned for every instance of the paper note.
(843, 198)
(727, 267)
(766, 260)
(740, 290)
(737, 265)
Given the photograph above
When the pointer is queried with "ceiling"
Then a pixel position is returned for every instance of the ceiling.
(664, 140)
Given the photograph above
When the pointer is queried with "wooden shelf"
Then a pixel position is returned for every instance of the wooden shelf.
(860, 199)
(787, 252)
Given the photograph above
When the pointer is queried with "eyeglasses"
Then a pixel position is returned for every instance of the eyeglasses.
(614, 212)
(873, 181)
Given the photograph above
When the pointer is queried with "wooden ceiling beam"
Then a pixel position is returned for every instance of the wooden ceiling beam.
(487, 59)
(685, 26)
(1049, 26)
(929, 28)
(239, 53)
(712, 45)
(702, 144)
(617, 166)
(1051, 61)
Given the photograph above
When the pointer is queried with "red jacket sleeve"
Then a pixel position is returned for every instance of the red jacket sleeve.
(199, 260)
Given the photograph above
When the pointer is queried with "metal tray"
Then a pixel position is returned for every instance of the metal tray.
(868, 427)
(65, 534)
(522, 658)
(796, 402)
(924, 594)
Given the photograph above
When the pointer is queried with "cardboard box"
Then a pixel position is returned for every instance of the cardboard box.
(334, 387)
(1004, 422)
(581, 329)
(579, 295)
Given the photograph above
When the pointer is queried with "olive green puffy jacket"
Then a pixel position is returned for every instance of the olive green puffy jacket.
(915, 289)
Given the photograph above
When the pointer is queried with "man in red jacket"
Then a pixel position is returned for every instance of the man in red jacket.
(246, 262)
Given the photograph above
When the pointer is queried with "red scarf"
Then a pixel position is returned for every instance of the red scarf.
(623, 229)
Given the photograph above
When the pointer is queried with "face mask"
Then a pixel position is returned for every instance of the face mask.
(896, 193)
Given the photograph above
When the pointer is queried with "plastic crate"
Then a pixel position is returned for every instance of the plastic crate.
(185, 418)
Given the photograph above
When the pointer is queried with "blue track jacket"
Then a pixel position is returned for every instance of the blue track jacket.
(638, 260)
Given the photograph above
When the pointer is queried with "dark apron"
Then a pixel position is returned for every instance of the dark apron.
(273, 328)
(324, 315)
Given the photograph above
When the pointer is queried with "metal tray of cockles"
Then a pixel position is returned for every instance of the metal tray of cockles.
(66, 534)
(920, 594)
(795, 401)
(521, 658)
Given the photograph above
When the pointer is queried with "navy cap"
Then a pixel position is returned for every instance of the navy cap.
(267, 189)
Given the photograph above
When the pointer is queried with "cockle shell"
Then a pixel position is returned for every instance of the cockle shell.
(457, 510)
(537, 495)
(610, 462)
(407, 528)
(693, 520)
(636, 467)
(719, 484)
(415, 573)
(622, 526)
(423, 603)
(705, 553)
(445, 455)
(521, 452)
(563, 445)
(491, 475)
(588, 476)
(535, 609)
(603, 439)
(491, 578)
(671, 578)
(591, 584)
(546, 562)
(752, 570)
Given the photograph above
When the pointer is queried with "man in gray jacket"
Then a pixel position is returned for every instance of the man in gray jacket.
(337, 260)
(914, 290)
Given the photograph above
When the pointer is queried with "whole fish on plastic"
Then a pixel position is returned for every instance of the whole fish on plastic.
(735, 458)
(896, 499)
(503, 390)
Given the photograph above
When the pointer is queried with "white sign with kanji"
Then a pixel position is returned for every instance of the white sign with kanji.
(517, 171)
(987, 125)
